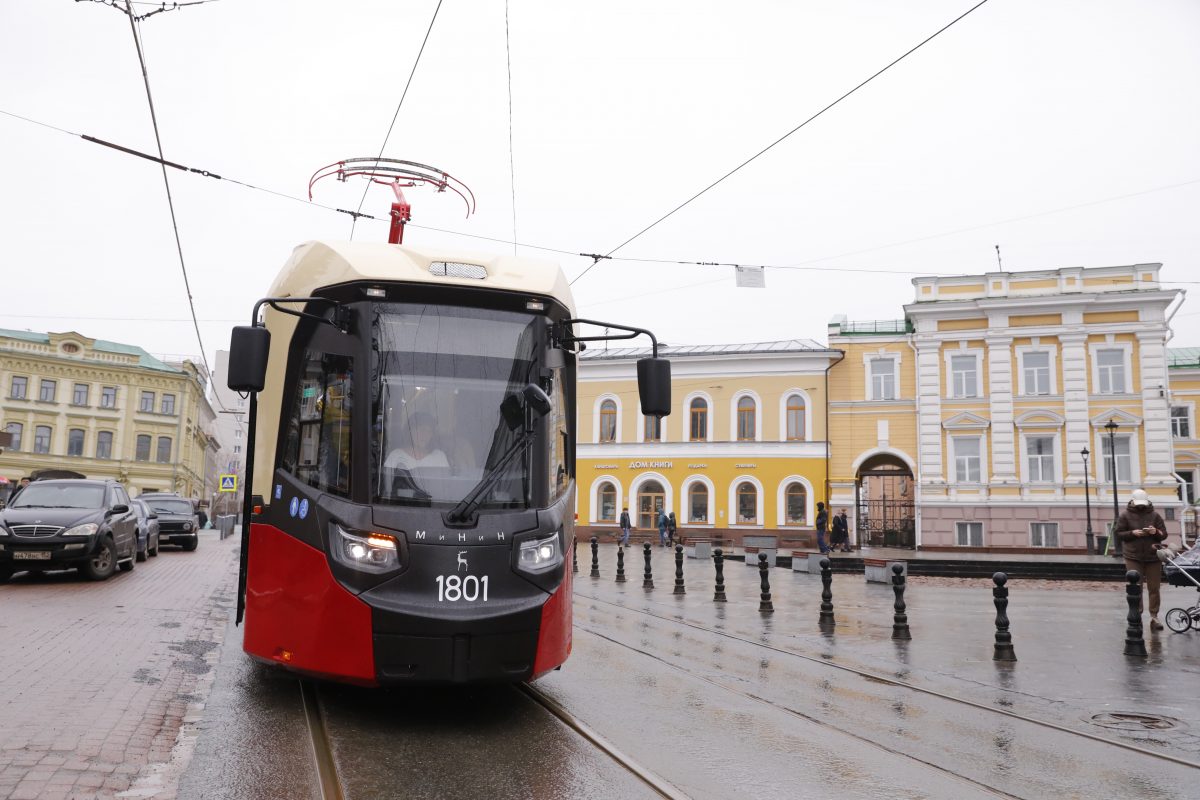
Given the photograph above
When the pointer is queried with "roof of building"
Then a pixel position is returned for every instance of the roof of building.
(1183, 357)
(145, 360)
(597, 352)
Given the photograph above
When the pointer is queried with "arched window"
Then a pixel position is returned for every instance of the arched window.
(16, 429)
(698, 420)
(142, 451)
(651, 500)
(698, 503)
(164, 450)
(608, 421)
(652, 432)
(747, 503)
(796, 504)
(746, 414)
(75, 442)
(104, 441)
(41, 439)
(795, 418)
(606, 503)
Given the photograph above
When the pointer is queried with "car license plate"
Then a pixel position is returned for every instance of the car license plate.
(31, 555)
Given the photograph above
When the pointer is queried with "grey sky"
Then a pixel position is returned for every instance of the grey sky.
(621, 110)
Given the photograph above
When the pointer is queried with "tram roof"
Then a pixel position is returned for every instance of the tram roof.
(318, 264)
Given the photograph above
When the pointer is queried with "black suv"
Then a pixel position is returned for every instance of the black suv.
(177, 520)
(55, 524)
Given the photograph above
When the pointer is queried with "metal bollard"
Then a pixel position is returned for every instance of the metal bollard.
(679, 570)
(764, 602)
(1004, 649)
(899, 619)
(1134, 644)
(575, 555)
(595, 558)
(648, 578)
(620, 563)
(826, 593)
(719, 566)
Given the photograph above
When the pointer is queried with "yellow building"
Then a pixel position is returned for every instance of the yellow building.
(105, 410)
(1184, 367)
(743, 452)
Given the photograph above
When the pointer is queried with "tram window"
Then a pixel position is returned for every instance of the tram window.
(318, 447)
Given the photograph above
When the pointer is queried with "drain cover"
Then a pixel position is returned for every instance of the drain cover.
(1130, 721)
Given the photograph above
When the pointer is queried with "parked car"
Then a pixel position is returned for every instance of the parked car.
(148, 532)
(177, 521)
(56, 524)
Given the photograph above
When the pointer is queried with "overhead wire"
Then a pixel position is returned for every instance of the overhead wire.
(404, 94)
(778, 141)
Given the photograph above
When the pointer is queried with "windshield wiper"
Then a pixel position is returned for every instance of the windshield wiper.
(466, 507)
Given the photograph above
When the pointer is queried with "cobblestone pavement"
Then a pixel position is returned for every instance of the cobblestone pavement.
(101, 683)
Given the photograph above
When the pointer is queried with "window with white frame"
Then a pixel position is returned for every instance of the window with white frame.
(1043, 534)
(1124, 458)
(1039, 454)
(1036, 368)
(698, 503)
(1110, 367)
(1181, 424)
(652, 429)
(747, 413)
(795, 418)
(968, 534)
(964, 376)
(608, 421)
(883, 378)
(967, 459)
(606, 502)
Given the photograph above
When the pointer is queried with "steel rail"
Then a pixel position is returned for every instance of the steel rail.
(318, 736)
(659, 785)
(901, 684)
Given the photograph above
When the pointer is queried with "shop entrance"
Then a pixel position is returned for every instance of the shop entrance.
(885, 499)
(651, 500)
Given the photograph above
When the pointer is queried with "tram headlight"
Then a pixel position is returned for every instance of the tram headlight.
(539, 555)
(370, 552)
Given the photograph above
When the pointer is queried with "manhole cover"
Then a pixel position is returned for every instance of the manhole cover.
(1130, 721)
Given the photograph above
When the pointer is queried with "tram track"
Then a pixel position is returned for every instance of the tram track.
(873, 677)
(328, 783)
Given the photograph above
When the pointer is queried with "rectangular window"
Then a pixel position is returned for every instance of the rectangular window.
(164, 450)
(20, 387)
(108, 397)
(964, 375)
(168, 404)
(318, 446)
(41, 439)
(142, 453)
(1187, 489)
(1111, 366)
(1039, 451)
(1181, 426)
(16, 429)
(80, 395)
(237, 434)
(237, 448)
(147, 402)
(967, 459)
(883, 379)
(1124, 460)
(75, 442)
(1043, 534)
(104, 441)
(1036, 367)
(968, 534)
(47, 390)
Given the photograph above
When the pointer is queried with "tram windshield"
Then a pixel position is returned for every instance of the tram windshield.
(440, 375)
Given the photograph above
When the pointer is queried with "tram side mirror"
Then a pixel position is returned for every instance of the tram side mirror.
(654, 386)
(537, 400)
(248, 349)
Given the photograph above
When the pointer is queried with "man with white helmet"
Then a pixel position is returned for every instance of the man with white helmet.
(1141, 530)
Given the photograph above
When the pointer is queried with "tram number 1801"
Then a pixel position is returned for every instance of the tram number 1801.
(452, 588)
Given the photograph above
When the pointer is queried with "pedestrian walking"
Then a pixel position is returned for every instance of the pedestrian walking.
(671, 528)
(1141, 530)
(203, 519)
(840, 534)
(625, 526)
(822, 526)
(663, 523)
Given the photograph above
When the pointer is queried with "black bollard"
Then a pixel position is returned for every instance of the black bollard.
(764, 602)
(679, 570)
(1134, 645)
(1004, 649)
(719, 566)
(899, 619)
(648, 579)
(595, 558)
(620, 563)
(575, 555)
(826, 592)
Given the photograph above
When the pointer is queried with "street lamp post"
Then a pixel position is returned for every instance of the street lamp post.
(1111, 427)
(1087, 503)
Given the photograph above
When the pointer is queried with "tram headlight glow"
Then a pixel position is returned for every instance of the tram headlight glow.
(369, 552)
(539, 555)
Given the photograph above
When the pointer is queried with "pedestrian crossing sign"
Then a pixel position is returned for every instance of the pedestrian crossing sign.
(229, 483)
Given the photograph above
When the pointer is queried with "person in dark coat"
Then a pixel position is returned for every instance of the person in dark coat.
(671, 528)
(663, 522)
(1140, 530)
(822, 526)
(840, 535)
(203, 519)
(625, 526)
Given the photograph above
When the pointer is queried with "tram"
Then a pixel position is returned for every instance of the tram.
(411, 464)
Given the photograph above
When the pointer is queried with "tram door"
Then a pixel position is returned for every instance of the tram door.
(651, 500)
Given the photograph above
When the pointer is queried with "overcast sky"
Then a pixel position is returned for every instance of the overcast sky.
(620, 111)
